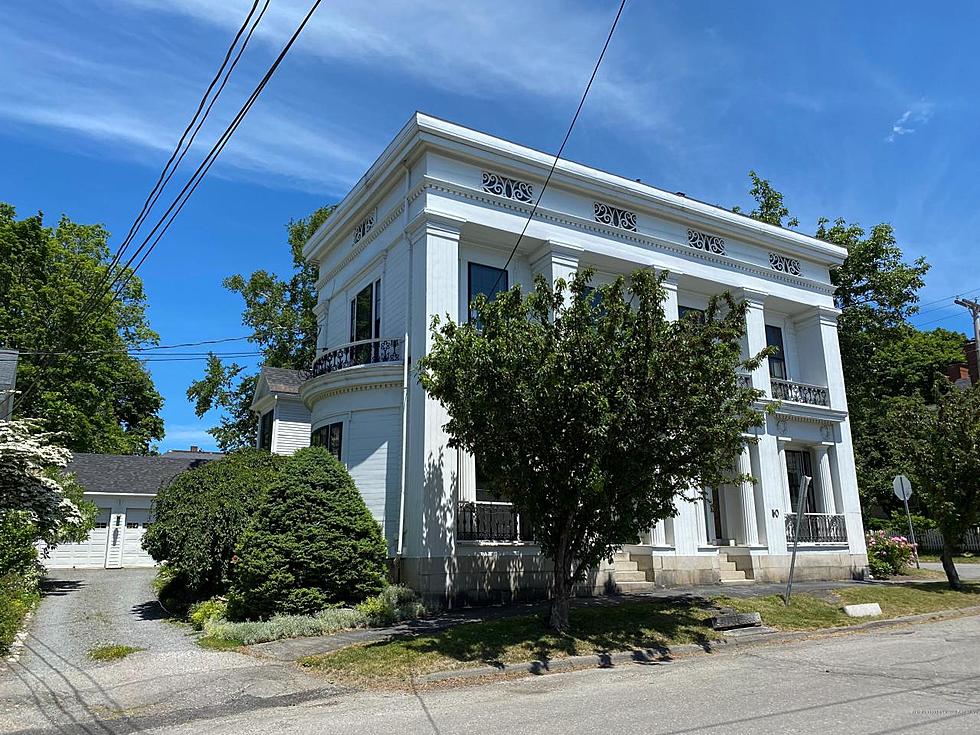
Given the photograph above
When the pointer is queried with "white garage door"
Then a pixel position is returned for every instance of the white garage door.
(89, 553)
(137, 521)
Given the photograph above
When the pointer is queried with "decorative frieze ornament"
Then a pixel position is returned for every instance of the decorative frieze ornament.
(364, 227)
(615, 217)
(785, 265)
(706, 242)
(503, 186)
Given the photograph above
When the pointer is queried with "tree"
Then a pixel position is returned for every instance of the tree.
(941, 446)
(591, 414)
(35, 495)
(280, 314)
(310, 544)
(199, 518)
(769, 204)
(92, 390)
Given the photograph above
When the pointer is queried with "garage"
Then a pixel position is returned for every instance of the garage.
(123, 488)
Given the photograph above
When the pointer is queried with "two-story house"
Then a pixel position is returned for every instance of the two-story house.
(430, 225)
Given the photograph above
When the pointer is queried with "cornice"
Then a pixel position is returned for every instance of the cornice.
(350, 380)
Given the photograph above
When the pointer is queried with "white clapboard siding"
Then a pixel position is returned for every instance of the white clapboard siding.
(292, 428)
(372, 458)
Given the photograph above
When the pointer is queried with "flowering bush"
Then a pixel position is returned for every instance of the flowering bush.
(888, 555)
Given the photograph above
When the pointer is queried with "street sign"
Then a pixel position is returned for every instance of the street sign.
(903, 491)
(903, 488)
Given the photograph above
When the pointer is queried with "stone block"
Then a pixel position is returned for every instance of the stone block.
(728, 621)
(865, 610)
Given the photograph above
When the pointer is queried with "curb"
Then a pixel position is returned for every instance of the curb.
(17, 647)
(734, 641)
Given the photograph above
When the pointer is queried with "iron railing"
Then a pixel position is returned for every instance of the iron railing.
(481, 520)
(789, 390)
(817, 528)
(365, 352)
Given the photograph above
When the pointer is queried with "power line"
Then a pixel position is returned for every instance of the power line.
(128, 350)
(568, 134)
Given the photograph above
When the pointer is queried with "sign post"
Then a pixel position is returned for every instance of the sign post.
(800, 507)
(903, 491)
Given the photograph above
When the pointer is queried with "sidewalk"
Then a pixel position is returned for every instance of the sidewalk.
(292, 649)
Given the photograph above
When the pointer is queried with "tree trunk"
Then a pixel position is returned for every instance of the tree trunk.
(561, 590)
(947, 558)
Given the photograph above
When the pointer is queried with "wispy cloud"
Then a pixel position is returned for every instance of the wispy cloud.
(911, 120)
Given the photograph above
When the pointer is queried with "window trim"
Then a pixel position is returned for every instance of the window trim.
(780, 357)
(373, 288)
(270, 414)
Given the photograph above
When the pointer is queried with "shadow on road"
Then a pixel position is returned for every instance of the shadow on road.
(59, 587)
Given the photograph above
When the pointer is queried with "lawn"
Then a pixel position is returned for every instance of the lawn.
(653, 625)
(934, 558)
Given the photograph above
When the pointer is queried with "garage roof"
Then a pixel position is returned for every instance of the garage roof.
(129, 474)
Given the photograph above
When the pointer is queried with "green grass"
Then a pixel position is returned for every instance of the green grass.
(111, 652)
(934, 558)
(646, 625)
(213, 643)
(652, 626)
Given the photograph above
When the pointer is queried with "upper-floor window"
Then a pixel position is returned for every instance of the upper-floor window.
(365, 313)
(486, 280)
(330, 436)
(777, 361)
(690, 312)
(265, 431)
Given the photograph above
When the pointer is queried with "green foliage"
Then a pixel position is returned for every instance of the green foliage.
(111, 652)
(888, 555)
(311, 543)
(18, 550)
(102, 398)
(280, 315)
(202, 614)
(769, 204)
(18, 596)
(395, 603)
(594, 421)
(200, 517)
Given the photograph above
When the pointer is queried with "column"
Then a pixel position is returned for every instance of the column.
(670, 301)
(755, 336)
(824, 480)
(749, 525)
(784, 477)
(556, 260)
(830, 347)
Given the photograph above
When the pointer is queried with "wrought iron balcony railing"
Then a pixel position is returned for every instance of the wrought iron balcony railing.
(490, 521)
(817, 528)
(365, 352)
(788, 390)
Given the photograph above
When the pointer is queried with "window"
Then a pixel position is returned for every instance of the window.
(777, 361)
(486, 280)
(798, 465)
(484, 491)
(365, 313)
(265, 431)
(132, 524)
(329, 436)
(696, 315)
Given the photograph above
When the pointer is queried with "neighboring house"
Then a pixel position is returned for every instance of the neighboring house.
(123, 487)
(964, 374)
(428, 227)
(283, 419)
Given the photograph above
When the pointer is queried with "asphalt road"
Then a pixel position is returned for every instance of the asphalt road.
(922, 679)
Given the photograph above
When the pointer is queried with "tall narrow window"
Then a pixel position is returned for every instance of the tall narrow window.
(486, 280)
(777, 361)
(329, 436)
(797, 465)
(265, 431)
(365, 313)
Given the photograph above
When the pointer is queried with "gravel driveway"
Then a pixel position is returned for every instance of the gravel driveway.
(55, 687)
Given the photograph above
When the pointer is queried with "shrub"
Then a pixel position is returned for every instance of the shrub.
(199, 519)
(888, 555)
(288, 626)
(394, 604)
(203, 613)
(311, 544)
(18, 594)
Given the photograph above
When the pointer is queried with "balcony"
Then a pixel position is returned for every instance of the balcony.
(789, 390)
(365, 352)
(817, 528)
(490, 521)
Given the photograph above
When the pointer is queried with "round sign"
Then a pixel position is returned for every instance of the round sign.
(903, 488)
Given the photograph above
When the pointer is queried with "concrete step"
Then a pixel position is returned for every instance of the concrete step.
(728, 566)
(737, 581)
(621, 556)
(633, 576)
(625, 566)
(729, 575)
(632, 588)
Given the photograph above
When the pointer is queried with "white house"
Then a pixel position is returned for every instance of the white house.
(430, 225)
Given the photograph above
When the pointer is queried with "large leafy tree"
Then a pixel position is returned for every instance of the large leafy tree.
(280, 314)
(882, 356)
(940, 449)
(92, 390)
(592, 414)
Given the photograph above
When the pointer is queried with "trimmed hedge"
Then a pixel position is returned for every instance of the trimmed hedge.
(199, 518)
(311, 544)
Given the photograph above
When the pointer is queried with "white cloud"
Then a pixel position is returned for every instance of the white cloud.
(184, 435)
(917, 116)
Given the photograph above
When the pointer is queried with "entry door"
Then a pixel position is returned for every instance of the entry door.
(797, 465)
(114, 544)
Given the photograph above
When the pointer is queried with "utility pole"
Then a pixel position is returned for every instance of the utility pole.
(974, 307)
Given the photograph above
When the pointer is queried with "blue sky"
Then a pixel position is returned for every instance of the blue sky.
(862, 110)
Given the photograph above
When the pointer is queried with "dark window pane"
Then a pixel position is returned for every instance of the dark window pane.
(330, 437)
(484, 491)
(798, 465)
(777, 361)
(690, 312)
(265, 431)
(485, 280)
(362, 318)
